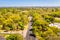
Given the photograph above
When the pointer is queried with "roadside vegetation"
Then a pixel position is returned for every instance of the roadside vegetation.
(15, 19)
(14, 37)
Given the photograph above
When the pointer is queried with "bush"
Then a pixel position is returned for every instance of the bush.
(14, 37)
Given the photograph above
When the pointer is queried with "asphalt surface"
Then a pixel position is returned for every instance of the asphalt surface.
(2, 38)
(29, 35)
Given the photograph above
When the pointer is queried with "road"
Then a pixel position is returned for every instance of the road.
(29, 36)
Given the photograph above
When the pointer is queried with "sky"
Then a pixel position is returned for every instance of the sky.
(19, 3)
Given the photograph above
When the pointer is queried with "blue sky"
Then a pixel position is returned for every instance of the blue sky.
(13, 3)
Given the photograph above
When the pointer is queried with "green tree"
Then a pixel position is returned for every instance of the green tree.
(14, 37)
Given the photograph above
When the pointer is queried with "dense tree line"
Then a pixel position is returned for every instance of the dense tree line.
(17, 18)
(13, 19)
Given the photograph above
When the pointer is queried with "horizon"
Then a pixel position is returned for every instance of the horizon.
(29, 3)
(30, 7)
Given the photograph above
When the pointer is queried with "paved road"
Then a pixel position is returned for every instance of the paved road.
(28, 36)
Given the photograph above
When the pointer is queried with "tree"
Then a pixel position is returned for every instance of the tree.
(14, 37)
(21, 25)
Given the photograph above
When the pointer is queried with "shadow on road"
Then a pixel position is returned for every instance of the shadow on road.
(33, 35)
